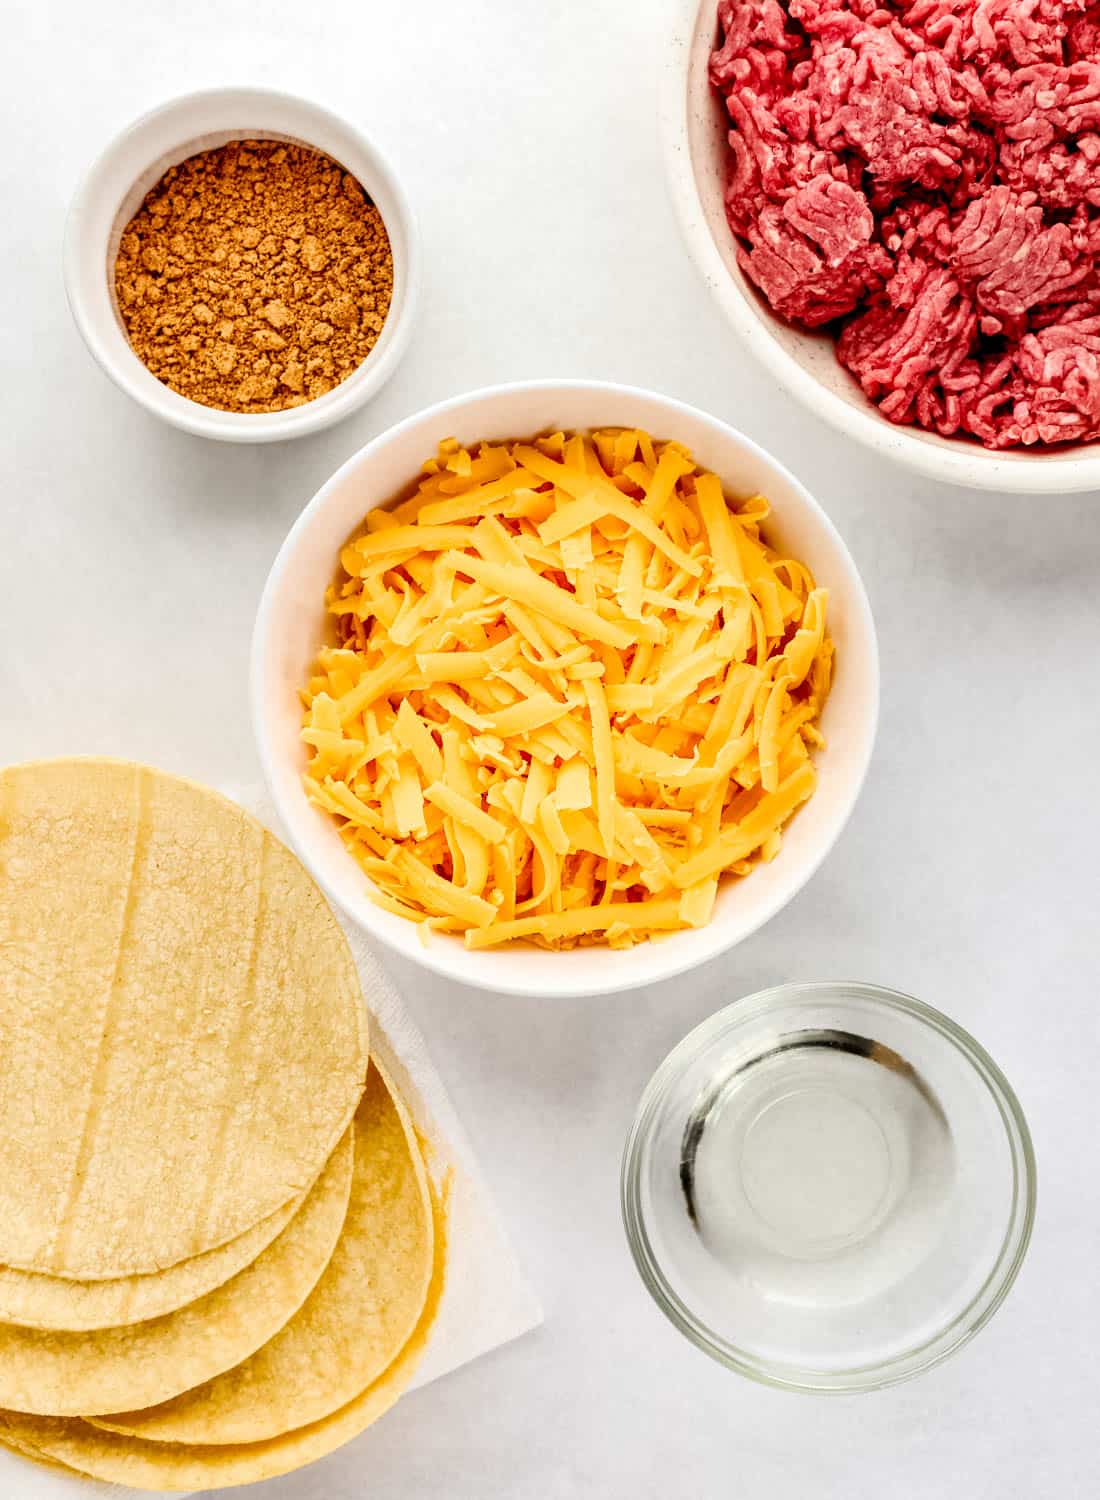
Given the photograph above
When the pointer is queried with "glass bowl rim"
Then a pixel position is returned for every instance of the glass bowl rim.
(919, 1357)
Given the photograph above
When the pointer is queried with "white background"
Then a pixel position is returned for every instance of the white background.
(131, 561)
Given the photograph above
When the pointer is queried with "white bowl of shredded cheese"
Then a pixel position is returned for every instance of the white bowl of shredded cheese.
(293, 624)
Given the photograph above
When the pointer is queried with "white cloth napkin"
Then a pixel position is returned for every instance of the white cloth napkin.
(487, 1301)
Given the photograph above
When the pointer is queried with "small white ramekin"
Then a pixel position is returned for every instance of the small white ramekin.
(802, 364)
(112, 191)
(291, 626)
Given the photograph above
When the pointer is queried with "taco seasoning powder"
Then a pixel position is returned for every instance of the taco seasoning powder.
(254, 277)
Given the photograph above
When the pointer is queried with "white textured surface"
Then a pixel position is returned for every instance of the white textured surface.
(131, 560)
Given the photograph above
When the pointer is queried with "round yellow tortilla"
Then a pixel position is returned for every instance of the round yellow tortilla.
(182, 1029)
(67, 1374)
(354, 1323)
(32, 1300)
(32, 1456)
(177, 1466)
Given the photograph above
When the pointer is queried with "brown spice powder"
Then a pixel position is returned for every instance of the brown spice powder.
(254, 277)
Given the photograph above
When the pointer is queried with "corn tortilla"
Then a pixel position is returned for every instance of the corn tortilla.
(177, 1466)
(32, 1456)
(67, 1374)
(32, 1300)
(355, 1321)
(180, 1021)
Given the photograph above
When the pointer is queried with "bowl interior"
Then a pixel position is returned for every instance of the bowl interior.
(802, 362)
(829, 1187)
(292, 622)
(136, 161)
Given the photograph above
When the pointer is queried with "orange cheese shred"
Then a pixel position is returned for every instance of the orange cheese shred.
(570, 691)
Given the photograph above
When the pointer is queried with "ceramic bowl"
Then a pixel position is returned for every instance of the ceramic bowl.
(804, 365)
(112, 190)
(292, 624)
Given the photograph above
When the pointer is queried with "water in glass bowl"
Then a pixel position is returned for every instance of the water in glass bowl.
(828, 1186)
(818, 1165)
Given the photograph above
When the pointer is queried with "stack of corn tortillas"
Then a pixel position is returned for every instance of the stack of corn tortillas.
(219, 1253)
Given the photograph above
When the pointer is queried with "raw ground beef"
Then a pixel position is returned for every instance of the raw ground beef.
(925, 177)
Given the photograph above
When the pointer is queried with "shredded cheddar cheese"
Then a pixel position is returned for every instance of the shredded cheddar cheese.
(570, 688)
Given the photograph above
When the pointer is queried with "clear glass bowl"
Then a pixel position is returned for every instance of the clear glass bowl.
(829, 1187)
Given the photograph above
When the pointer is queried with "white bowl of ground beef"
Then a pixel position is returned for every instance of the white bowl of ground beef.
(804, 363)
